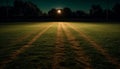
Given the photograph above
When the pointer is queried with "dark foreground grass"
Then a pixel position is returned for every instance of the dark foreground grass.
(98, 61)
(10, 37)
(105, 34)
(39, 55)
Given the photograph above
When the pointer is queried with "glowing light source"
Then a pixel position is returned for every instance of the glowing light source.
(59, 11)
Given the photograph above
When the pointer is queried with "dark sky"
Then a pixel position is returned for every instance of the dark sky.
(85, 5)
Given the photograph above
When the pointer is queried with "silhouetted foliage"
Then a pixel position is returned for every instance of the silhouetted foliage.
(96, 11)
(27, 10)
(52, 13)
(18, 8)
(80, 14)
(6, 11)
(108, 14)
(67, 12)
(3, 11)
(116, 10)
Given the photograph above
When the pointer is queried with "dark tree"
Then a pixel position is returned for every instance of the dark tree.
(80, 14)
(6, 11)
(67, 12)
(22, 8)
(3, 11)
(18, 8)
(116, 10)
(52, 13)
(31, 9)
(108, 14)
(96, 11)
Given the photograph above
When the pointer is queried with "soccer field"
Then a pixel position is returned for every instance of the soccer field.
(59, 45)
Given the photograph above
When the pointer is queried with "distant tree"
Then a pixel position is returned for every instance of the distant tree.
(3, 11)
(52, 12)
(116, 10)
(108, 14)
(96, 11)
(31, 9)
(6, 11)
(18, 8)
(22, 8)
(67, 12)
(80, 14)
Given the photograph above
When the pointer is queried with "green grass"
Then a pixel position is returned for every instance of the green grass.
(40, 53)
(12, 32)
(98, 61)
(108, 35)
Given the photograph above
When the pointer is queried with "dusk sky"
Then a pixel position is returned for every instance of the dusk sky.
(84, 5)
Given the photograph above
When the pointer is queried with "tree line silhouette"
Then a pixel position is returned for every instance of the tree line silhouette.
(27, 10)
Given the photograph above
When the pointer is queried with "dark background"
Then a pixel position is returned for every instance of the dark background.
(43, 10)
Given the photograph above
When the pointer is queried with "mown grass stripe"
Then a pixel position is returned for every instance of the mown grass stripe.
(80, 57)
(23, 48)
(97, 46)
(59, 49)
(21, 38)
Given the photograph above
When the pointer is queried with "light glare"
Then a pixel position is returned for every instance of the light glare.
(59, 11)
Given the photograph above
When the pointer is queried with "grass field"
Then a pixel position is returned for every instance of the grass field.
(60, 45)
